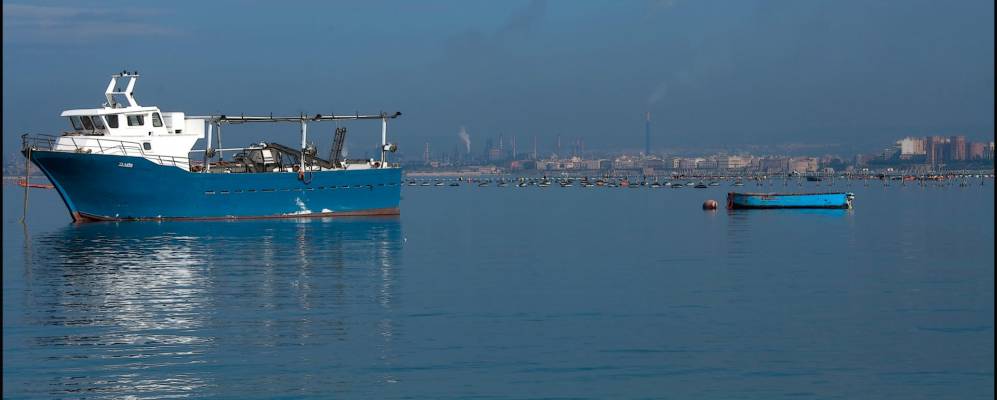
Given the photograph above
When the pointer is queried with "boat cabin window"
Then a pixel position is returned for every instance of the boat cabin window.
(112, 121)
(77, 125)
(98, 122)
(156, 120)
(136, 120)
(87, 124)
(147, 145)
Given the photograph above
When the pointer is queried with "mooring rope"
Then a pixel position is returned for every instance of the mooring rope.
(27, 165)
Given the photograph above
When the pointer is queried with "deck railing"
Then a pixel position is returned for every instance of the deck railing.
(98, 145)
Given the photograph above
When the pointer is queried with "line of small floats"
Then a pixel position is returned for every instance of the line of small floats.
(701, 182)
(625, 182)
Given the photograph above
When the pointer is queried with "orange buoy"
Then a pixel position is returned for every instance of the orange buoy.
(710, 205)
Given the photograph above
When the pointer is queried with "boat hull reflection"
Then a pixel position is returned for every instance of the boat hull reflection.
(177, 309)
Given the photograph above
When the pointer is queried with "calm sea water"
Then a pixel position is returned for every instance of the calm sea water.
(511, 293)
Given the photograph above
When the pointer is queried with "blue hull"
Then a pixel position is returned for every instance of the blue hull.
(789, 200)
(111, 187)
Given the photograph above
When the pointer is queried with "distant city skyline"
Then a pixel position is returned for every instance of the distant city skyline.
(920, 155)
(578, 146)
(853, 74)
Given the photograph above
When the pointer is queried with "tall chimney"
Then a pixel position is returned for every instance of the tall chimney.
(647, 134)
(534, 147)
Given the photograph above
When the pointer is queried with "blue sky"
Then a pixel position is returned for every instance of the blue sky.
(712, 73)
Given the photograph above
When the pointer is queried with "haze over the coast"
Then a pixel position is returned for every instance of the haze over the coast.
(711, 73)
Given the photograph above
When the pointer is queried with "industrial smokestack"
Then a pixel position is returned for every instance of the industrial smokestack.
(647, 134)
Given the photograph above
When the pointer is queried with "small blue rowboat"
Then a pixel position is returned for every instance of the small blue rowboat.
(789, 200)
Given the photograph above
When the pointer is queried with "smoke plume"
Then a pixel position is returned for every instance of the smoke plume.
(464, 137)
(659, 93)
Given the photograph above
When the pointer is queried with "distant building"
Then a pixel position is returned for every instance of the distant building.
(732, 162)
(689, 163)
(978, 151)
(625, 162)
(803, 164)
(571, 164)
(673, 162)
(957, 146)
(911, 147)
(889, 153)
(708, 163)
(600, 164)
(486, 169)
(935, 149)
(522, 165)
(773, 164)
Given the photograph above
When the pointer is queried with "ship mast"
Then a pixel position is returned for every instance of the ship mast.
(113, 89)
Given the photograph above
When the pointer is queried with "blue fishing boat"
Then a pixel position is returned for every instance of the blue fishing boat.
(789, 200)
(124, 161)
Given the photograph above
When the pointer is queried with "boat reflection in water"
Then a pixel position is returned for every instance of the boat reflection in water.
(195, 308)
(746, 229)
